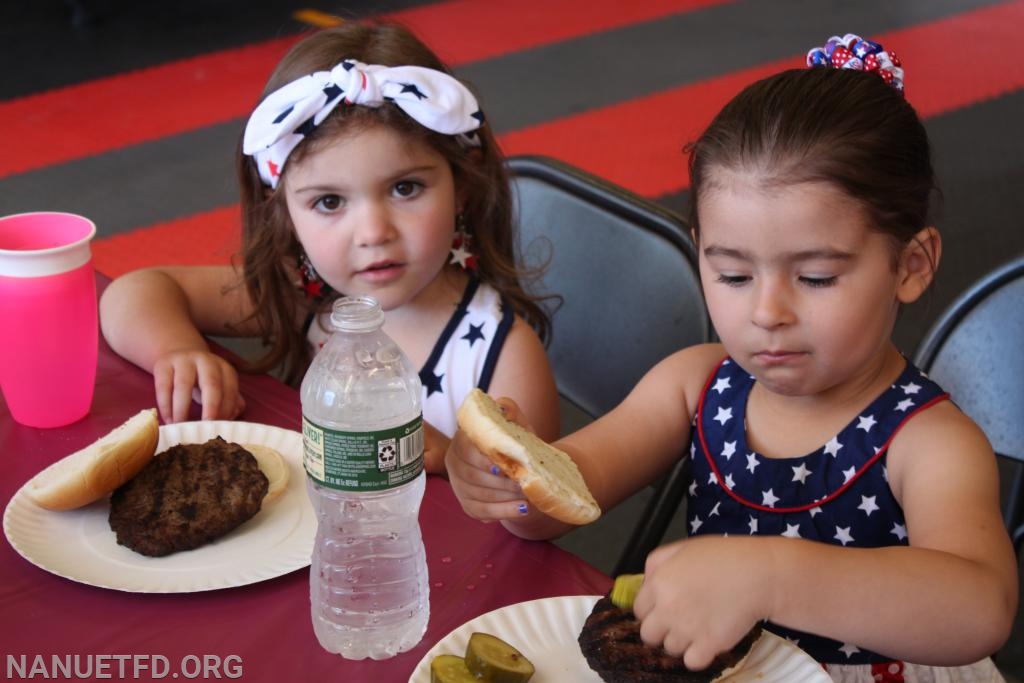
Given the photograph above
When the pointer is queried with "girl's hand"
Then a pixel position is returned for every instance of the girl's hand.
(484, 492)
(183, 376)
(700, 596)
(435, 447)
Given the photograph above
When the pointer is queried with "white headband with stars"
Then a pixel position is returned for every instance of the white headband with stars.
(432, 98)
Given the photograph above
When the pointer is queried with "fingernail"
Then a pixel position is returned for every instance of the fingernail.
(523, 509)
(495, 470)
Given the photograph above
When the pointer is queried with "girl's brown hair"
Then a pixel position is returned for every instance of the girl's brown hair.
(269, 246)
(847, 128)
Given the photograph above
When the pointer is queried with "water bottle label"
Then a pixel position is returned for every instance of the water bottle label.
(363, 461)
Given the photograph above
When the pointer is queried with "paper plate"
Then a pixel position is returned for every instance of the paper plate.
(79, 545)
(545, 631)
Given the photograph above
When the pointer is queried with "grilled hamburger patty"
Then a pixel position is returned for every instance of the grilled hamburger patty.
(610, 641)
(186, 497)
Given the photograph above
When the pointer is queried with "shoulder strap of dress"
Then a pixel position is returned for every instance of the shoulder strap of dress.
(500, 334)
(449, 329)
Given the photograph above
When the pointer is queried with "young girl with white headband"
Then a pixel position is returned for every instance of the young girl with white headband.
(837, 492)
(367, 168)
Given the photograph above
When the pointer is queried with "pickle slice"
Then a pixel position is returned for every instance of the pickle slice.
(492, 659)
(624, 590)
(450, 669)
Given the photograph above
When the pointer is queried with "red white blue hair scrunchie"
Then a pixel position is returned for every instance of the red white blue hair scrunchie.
(432, 98)
(853, 52)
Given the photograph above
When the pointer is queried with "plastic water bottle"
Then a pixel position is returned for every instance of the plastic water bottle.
(362, 430)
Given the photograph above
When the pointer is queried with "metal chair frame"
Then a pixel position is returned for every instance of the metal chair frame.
(973, 317)
(592, 226)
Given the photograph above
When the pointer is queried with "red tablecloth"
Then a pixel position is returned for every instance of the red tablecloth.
(266, 627)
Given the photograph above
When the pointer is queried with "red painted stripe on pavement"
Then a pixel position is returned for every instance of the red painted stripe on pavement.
(127, 109)
(463, 31)
(207, 238)
(109, 113)
(977, 69)
(638, 144)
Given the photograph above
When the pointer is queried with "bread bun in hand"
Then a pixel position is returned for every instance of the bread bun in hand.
(99, 468)
(548, 477)
(272, 464)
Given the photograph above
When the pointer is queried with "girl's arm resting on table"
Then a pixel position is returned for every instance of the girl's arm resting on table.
(156, 319)
(948, 599)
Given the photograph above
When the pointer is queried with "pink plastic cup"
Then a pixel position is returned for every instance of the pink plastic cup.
(49, 328)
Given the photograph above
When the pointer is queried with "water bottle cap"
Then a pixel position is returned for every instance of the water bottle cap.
(357, 313)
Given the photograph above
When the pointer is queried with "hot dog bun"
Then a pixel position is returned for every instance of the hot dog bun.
(549, 478)
(99, 468)
(272, 464)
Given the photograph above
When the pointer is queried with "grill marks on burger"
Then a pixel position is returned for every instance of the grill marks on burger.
(187, 496)
(610, 641)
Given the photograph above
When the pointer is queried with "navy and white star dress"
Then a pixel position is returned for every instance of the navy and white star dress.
(463, 357)
(838, 494)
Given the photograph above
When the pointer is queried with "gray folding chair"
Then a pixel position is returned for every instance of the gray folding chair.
(625, 270)
(975, 350)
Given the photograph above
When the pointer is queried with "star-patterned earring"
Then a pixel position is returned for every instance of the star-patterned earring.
(462, 246)
(312, 285)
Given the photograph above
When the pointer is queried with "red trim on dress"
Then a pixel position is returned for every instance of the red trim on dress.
(798, 508)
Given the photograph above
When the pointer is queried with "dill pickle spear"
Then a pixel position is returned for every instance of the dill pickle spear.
(450, 669)
(492, 659)
(624, 590)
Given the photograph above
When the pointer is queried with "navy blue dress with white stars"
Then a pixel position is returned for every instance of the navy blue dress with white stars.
(838, 494)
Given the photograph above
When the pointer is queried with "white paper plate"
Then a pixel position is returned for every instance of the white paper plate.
(79, 545)
(545, 631)
(776, 660)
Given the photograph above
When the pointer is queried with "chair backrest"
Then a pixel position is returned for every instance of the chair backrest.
(625, 269)
(975, 351)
